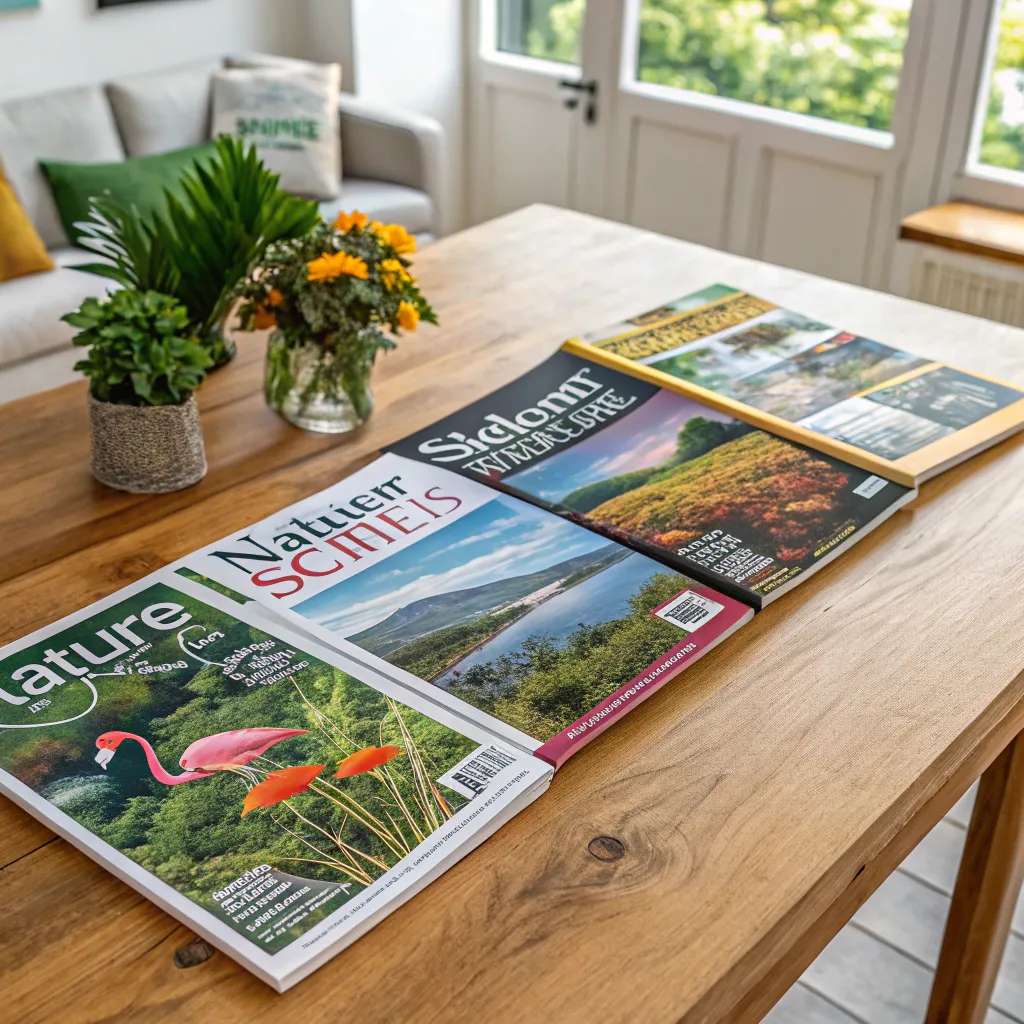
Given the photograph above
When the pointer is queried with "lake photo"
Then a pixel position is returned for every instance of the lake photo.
(522, 614)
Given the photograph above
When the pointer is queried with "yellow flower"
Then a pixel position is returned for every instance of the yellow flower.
(348, 221)
(394, 235)
(408, 315)
(334, 264)
(274, 298)
(392, 274)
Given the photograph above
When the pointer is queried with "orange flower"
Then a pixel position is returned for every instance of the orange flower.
(263, 320)
(396, 236)
(280, 785)
(408, 315)
(348, 221)
(334, 264)
(366, 760)
(274, 298)
(393, 274)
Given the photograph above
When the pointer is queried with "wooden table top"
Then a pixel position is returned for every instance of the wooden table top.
(759, 798)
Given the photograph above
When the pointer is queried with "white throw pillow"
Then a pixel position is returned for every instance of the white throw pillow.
(291, 116)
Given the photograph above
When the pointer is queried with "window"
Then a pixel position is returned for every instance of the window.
(548, 29)
(999, 135)
(836, 59)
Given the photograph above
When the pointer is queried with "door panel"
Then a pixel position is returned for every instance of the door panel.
(817, 217)
(692, 167)
(522, 174)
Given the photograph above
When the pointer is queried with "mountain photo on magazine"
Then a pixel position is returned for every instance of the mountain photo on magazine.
(682, 477)
(518, 612)
(262, 784)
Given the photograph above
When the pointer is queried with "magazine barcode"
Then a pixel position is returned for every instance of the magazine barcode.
(689, 611)
(473, 774)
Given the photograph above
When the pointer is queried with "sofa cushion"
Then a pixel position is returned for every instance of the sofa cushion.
(384, 201)
(165, 110)
(21, 249)
(75, 124)
(31, 307)
(291, 117)
(139, 181)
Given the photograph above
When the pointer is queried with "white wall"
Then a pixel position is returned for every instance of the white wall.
(64, 43)
(409, 54)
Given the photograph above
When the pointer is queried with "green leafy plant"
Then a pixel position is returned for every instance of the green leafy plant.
(213, 233)
(141, 349)
(343, 289)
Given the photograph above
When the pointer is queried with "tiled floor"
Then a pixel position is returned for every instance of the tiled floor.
(878, 969)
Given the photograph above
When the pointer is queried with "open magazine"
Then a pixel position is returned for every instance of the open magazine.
(742, 510)
(902, 416)
(270, 793)
(522, 622)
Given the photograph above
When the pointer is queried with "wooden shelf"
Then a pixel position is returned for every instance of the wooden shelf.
(965, 227)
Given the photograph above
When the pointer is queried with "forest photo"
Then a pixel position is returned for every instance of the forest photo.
(518, 612)
(674, 470)
(214, 749)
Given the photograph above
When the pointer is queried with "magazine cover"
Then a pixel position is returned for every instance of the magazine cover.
(898, 414)
(269, 793)
(738, 508)
(535, 628)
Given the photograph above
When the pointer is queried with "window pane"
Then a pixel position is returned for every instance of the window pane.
(1002, 134)
(549, 29)
(838, 59)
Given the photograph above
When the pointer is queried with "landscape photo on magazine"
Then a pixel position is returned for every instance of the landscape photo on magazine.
(861, 392)
(259, 783)
(479, 598)
(740, 508)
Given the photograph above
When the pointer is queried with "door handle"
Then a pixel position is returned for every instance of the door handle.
(581, 85)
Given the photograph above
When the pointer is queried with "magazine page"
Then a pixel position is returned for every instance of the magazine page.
(268, 792)
(905, 416)
(535, 628)
(738, 508)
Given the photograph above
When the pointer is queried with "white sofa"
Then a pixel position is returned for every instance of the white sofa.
(391, 163)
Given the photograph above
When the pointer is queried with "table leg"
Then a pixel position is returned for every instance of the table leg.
(987, 887)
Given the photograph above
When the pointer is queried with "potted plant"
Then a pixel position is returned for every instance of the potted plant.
(334, 299)
(205, 243)
(143, 365)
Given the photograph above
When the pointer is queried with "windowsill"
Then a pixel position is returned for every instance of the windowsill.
(967, 227)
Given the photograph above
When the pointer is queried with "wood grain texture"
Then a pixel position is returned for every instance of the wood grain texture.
(988, 885)
(967, 227)
(760, 799)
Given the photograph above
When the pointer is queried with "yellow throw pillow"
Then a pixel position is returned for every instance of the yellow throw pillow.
(21, 249)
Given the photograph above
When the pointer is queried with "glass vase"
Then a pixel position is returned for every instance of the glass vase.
(321, 385)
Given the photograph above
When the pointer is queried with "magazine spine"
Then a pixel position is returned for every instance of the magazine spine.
(755, 417)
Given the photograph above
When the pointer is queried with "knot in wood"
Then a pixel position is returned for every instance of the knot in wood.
(606, 848)
(193, 953)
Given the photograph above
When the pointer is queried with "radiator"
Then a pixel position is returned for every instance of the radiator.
(970, 284)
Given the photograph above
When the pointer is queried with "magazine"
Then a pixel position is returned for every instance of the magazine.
(739, 509)
(530, 626)
(267, 791)
(902, 416)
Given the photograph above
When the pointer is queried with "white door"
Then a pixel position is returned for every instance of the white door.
(793, 131)
(537, 129)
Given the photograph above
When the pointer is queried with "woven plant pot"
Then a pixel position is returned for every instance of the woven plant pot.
(147, 449)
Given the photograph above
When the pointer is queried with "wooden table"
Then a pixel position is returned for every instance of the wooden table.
(759, 799)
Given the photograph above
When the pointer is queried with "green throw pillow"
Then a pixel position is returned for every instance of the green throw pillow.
(138, 181)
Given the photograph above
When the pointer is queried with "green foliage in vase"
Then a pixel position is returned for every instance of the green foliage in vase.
(141, 349)
(228, 210)
(343, 289)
